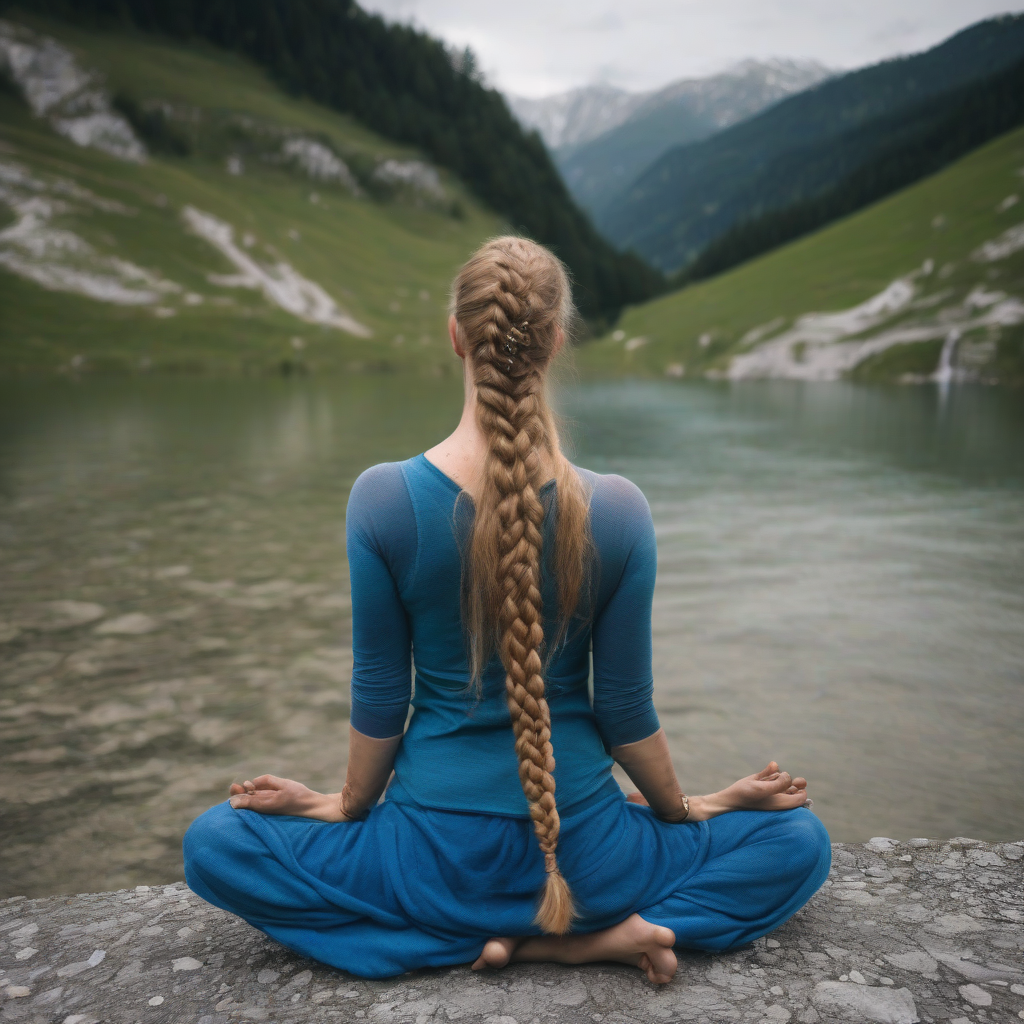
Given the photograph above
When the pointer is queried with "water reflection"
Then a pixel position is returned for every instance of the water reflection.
(839, 586)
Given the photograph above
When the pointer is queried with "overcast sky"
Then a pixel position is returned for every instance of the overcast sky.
(538, 47)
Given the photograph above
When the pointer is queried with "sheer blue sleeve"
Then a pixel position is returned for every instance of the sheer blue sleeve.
(628, 556)
(380, 530)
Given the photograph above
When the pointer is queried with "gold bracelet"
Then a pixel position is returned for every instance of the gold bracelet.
(686, 807)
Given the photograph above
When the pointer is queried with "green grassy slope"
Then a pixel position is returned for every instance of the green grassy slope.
(797, 149)
(386, 260)
(944, 219)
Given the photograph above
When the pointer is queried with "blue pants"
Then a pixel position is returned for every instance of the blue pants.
(410, 887)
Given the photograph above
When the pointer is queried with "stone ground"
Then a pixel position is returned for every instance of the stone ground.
(901, 932)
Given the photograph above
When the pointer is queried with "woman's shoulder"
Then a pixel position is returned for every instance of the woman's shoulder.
(612, 494)
(620, 518)
(379, 505)
(378, 483)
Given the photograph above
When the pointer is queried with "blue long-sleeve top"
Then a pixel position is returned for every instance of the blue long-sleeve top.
(407, 528)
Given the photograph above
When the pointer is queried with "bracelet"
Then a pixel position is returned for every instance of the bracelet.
(686, 807)
(341, 805)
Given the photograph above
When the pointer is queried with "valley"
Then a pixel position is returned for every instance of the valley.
(926, 285)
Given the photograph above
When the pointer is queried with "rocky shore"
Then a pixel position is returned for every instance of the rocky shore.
(901, 932)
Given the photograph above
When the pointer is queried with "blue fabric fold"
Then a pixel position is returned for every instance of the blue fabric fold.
(412, 887)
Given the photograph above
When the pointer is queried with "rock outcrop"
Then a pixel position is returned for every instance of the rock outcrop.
(901, 932)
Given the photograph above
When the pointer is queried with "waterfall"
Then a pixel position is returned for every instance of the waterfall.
(944, 374)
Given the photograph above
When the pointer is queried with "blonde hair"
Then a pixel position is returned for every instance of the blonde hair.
(513, 306)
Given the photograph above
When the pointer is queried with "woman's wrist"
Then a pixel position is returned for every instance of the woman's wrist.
(710, 806)
(326, 807)
(678, 812)
(350, 808)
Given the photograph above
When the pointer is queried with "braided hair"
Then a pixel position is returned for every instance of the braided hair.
(512, 304)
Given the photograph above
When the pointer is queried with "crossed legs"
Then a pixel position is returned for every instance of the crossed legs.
(634, 941)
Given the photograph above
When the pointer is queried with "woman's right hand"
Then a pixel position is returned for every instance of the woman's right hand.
(770, 789)
(270, 795)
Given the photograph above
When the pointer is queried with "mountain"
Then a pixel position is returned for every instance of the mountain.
(577, 116)
(598, 167)
(409, 87)
(924, 286)
(167, 206)
(695, 193)
(901, 149)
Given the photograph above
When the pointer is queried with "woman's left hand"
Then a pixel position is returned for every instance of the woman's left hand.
(270, 795)
(770, 789)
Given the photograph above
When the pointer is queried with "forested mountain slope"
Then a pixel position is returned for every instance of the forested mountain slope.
(166, 206)
(926, 285)
(404, 85)
(696, 193)
(685, 111)
(889, 153)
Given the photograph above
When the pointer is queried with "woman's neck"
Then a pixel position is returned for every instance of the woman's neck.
(462, 455)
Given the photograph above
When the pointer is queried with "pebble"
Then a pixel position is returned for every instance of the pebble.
(975, 995)
(71, 970)
(880, 844)
(186, 963)
(60, 615)
(913, 961)
(156, 1001)
(170, 572)
(132, 624)
(894, 1006)
(17, 991)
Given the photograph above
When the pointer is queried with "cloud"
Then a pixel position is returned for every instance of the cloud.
(536, 47)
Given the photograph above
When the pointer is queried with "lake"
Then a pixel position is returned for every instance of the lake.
(841, 588)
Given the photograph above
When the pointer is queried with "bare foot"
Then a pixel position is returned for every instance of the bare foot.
(496, 953)
(641, 944)
(634, 941)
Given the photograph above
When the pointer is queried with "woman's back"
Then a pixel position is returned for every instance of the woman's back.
(408, 527)
(466, 561)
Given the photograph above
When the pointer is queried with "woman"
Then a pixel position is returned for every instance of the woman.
(502, 567)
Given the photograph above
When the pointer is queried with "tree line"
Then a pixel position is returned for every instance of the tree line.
(407, 86)
(918, 142)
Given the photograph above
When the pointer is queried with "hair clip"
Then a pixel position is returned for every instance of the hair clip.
(513, 340)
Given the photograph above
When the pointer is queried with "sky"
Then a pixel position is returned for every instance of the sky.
(540, 47)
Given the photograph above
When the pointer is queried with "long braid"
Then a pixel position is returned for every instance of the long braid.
(514, 322)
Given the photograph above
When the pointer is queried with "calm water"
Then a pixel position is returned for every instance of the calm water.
(841, 587)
